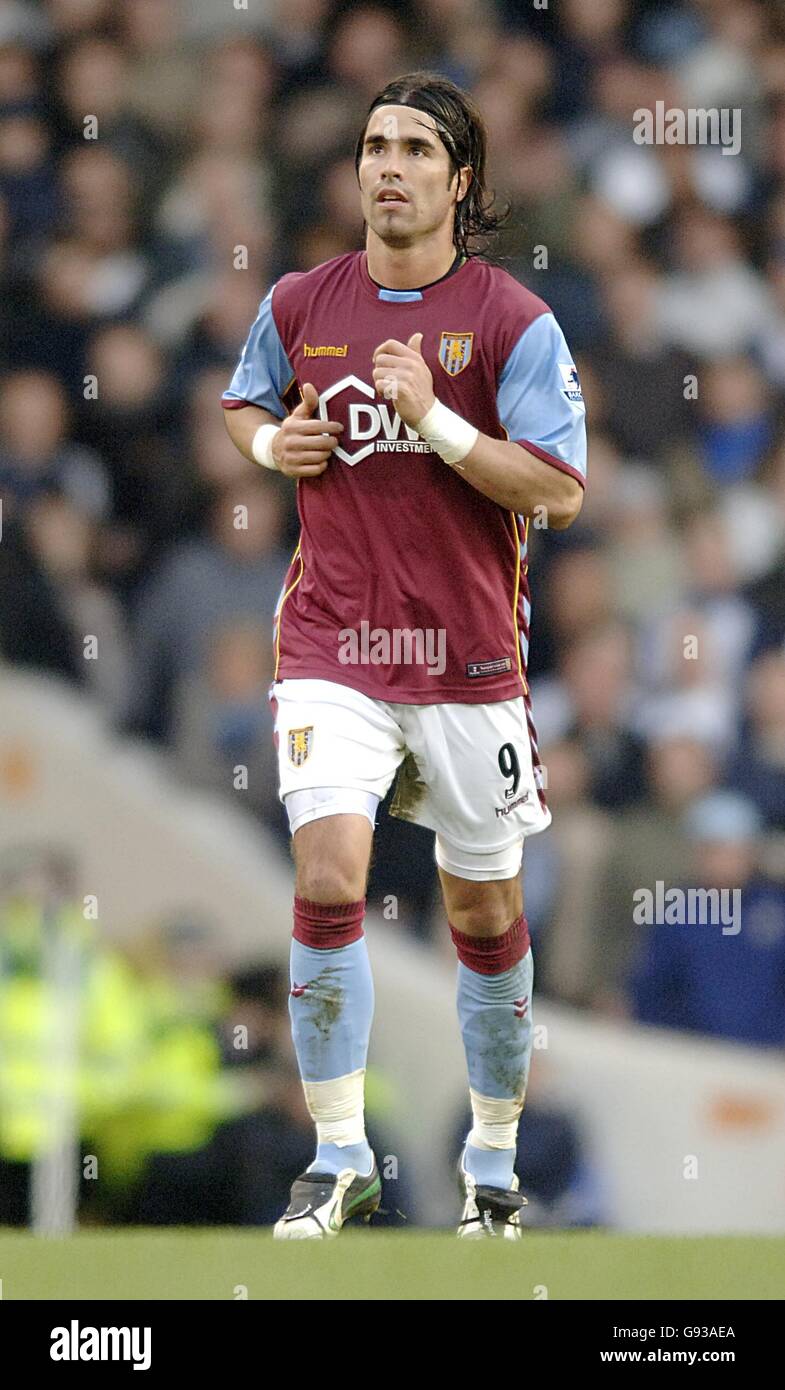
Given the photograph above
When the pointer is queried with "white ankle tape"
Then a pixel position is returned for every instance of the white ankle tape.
(337, 1108)
(495, 1121)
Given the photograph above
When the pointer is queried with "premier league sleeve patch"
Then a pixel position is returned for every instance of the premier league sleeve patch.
(300, 744)
(571, 385)
(455, 351)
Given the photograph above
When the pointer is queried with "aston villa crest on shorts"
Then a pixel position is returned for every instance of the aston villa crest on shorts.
(455, 351)
(300, 744)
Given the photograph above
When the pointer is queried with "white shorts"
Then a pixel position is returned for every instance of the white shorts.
(467, 772)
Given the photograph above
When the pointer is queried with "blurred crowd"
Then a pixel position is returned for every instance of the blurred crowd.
(162, 162)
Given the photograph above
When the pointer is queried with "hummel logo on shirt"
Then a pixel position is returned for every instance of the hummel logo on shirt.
(325, 350)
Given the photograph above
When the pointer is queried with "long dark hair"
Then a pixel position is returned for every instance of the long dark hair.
(462, 131)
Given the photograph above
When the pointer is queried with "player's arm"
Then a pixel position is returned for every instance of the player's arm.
(512, 476)
(298, 446)
(542, 464)
(254, 410)
(242, 424)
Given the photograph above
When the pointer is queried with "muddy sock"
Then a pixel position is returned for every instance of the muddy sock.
(331, 1009)
(494, 1009)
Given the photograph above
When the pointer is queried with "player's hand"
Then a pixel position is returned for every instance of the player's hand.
(401, 375)
(302, 446)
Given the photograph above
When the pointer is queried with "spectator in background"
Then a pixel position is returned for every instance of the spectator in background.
(93, 82)
(127, 419)
(590, 33)
(645, 556)
(364, 46)
(691, 657)
(42, 472)
(28, 175)
(757, 769)
(700, 978)
(36, 454)
(460, 37)
(597, 685)
(642, 377)
(647, 845)
(565, 872)
(210, 338)
(214, 457)
(71, 18)
(574, 283)
(20, 83)
(222, 726)
(10, 308)
(316, 124)
(63, 541)
(93, 268)
(766, 592)
(235, 571)
(218, 201)
(35, 628)
(101, 225)
(683, 658)
(712, 303)
(754, 515)
(296, 41)
(571, 593)
(239, 76)
(532, 162)
(722, 66)
(162, 79)
(737, 425)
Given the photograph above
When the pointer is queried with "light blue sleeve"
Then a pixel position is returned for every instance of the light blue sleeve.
(264, 371)
(539, 398)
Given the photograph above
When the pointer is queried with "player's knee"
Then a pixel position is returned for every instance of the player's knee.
(331, 857)
(490, 920)
(330, 885)
(482, 908)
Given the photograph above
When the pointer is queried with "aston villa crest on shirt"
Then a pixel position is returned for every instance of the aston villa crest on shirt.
(455, 351)
(300, 744)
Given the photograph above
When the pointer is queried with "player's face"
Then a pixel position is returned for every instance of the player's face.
(406, 188)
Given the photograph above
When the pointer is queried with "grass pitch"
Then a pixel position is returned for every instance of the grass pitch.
(231, 1264)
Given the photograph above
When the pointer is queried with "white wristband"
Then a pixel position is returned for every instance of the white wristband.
(449, 434)
(262, 445)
